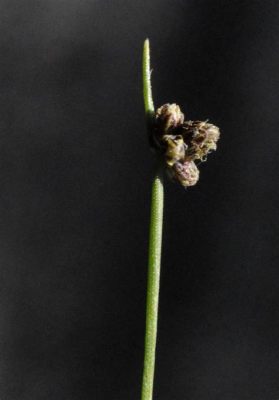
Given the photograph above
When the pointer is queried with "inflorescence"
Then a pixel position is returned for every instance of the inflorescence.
(182, 143)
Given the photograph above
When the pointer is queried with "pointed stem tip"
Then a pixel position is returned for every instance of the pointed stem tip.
(147, 89)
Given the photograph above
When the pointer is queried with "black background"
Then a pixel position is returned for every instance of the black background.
(75, 179)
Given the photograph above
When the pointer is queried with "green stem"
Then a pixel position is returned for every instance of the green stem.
(146, 75)
(153, 283)
(155, 245)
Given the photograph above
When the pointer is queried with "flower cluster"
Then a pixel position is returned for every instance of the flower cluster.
(183, 142)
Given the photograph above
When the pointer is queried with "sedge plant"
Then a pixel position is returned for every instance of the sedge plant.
(179, 145)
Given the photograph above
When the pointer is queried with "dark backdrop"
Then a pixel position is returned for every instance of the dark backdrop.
(75, 173)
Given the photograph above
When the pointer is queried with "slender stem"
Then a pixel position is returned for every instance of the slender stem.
(147, 89)
(155, 244)
(153, 283)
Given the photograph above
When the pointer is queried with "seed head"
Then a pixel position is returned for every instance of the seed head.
(180, 143)
(175, 148)
(169, 117)
(186, 173)
(201, 139)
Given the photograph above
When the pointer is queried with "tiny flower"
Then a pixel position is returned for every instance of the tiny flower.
(186, 173)
(201, 138)
(169, 117)
(175, 148)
